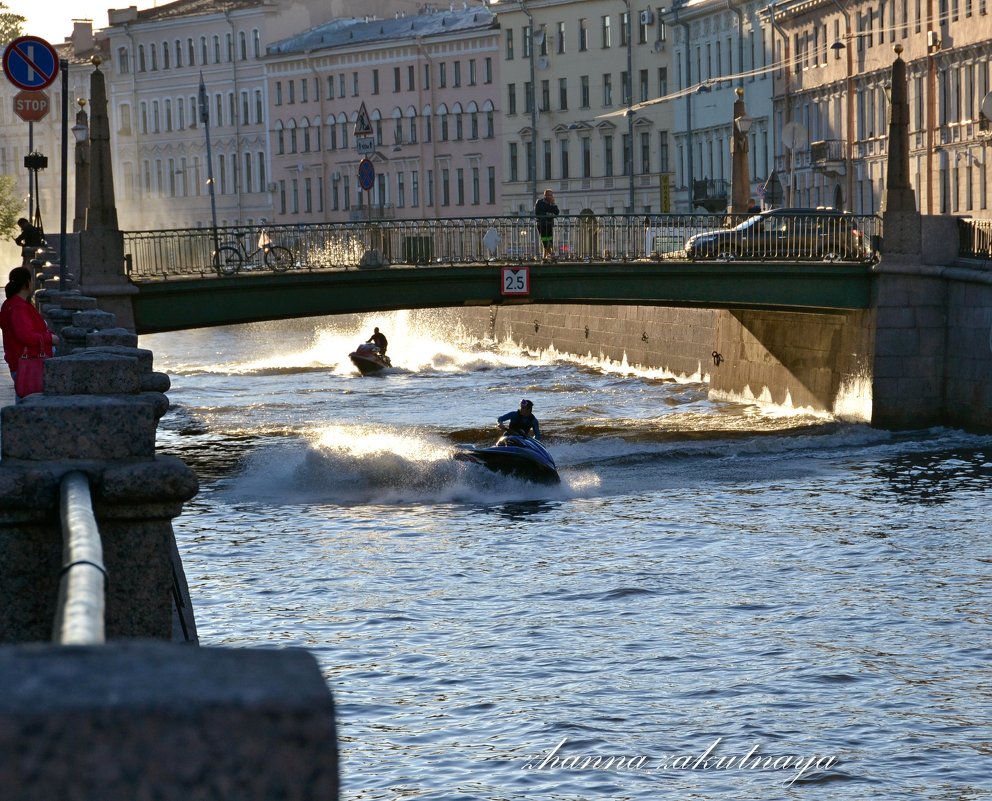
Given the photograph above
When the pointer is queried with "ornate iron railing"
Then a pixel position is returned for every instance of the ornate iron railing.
(975, 237)
(187, 253)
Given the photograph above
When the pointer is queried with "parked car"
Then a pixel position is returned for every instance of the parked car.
(784, 234)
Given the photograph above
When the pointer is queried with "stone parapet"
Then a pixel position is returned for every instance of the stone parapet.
(128, 721)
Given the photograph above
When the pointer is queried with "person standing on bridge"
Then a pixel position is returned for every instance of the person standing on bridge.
(29, 239)
(546, 210)
(379, 340)
(24, 330)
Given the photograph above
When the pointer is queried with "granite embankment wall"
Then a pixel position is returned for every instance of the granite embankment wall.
(801, 360)
(921, 356)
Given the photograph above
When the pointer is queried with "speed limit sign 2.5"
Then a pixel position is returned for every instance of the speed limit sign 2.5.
(515, 281)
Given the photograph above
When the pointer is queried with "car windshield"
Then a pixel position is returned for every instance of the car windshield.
(750, 223)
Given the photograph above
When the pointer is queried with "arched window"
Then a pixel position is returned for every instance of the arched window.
(411, 115)
(165, 55)
(154, 54)
(473, 120)
(280, 138)
(243, 45)
(442, 115)
(397, 116)
(456, 110)
(179, 54)
(428, 123)
(305, 127)
(141, 58)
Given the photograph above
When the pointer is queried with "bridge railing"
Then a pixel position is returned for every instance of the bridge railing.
(438, 242)
(976, 238)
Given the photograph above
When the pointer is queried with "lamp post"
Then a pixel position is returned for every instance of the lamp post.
(740, 180)
(81, 133)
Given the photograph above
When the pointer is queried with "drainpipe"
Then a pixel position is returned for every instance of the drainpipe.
(238, 178)
(786, 101)
(532, 159)
(433, 155)
(630, 102)
(688, 109)
(849, 133)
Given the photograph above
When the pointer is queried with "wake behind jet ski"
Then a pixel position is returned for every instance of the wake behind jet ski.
(369, 359)
(515, 453)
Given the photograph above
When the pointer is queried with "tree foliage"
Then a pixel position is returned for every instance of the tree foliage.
(11, 206)
(11, 25)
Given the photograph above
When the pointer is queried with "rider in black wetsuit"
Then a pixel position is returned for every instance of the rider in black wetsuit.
(379, 340)
(521, 421)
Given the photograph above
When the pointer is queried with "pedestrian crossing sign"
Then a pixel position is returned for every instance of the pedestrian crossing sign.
(363, 125)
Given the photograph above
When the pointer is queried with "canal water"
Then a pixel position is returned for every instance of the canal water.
(720, 601)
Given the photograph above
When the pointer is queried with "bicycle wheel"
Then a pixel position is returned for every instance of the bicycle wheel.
(228, 260)
(278, 258)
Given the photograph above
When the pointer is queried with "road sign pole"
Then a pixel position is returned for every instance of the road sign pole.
(31, 175)
(64, 66)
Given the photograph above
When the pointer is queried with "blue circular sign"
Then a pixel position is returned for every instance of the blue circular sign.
(30, 63)
(366, 174)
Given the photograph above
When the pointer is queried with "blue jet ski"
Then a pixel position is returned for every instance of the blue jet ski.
(516, 455)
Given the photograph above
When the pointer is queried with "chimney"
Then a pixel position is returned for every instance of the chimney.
(82, 36)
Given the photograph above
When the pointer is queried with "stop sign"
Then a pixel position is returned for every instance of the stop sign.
(30, 106)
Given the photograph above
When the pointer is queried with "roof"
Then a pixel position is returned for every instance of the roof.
(344, 32)
(185, 8)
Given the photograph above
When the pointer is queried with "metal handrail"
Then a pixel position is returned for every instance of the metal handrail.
(79, 615)
(582, 238)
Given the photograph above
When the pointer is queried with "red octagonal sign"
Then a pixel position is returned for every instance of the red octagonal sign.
(31, 106)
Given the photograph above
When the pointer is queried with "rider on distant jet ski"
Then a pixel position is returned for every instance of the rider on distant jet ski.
(521, 421)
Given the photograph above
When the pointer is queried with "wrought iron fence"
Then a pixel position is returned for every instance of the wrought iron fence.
(459, 241)
(975, 237)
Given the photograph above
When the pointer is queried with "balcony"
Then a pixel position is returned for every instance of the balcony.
(829, 156)
(712, 195)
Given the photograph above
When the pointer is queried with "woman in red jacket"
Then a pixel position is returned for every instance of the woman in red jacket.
(24, 330)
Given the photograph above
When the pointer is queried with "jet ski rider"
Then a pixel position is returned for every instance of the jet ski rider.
(521, 421)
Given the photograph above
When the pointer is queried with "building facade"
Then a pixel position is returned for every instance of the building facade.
(574, 73)
(834, 86)
(719, 48)
(158, 127)
(429, 85)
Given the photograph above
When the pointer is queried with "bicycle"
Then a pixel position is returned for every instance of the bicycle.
(230, 258)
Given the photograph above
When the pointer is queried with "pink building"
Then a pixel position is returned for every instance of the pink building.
(430, 88)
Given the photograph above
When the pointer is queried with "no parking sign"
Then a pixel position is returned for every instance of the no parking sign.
(30, 63)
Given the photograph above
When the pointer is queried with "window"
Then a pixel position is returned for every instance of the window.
(229, 47)
(583, 36)
(216, 41)
(509, 44)
(475, 186)
(256, 44)
(354, 84)
(258, 106)
(662, 81)
(203, 50)
(445, 187)
(489, 70)
(179, 53)
(607, 89)
(396, 79)
(400, 191)
(457, 77)
(123, 61)
(460, 186)
(511, 99)
(190, 52)
(414, 188)
(546, 153)
(586, 144)
(527, 41)
(584, 91)
(153, 51)
(531, 162)
(442, 75)
(608, 156)
(278, 93)
(375, 82)
(561, 37)
(663, 152)
(491, 185)
(607, 32)
(514, 168)
(628, 154)
(563, 158)
(304, 91)
(625, 87)
(410, 78)
(243, 46)
(292, 92)
(563, 93)
(644, 85)
(545, 95)
(624, 28)
(427, 76)
(528, 97)
(168, 114)
(490, 124)
(472, 72)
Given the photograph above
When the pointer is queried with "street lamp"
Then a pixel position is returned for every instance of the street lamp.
(740, 180)
(81, 133)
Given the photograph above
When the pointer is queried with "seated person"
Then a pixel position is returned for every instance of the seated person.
(521, 421)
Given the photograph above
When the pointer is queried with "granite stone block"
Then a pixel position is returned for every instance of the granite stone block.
(84, 372)
(93, 320)
(78, 427)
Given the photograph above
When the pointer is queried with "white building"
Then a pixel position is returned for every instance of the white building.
(572, 73)
(719, 47)
(160, 148)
